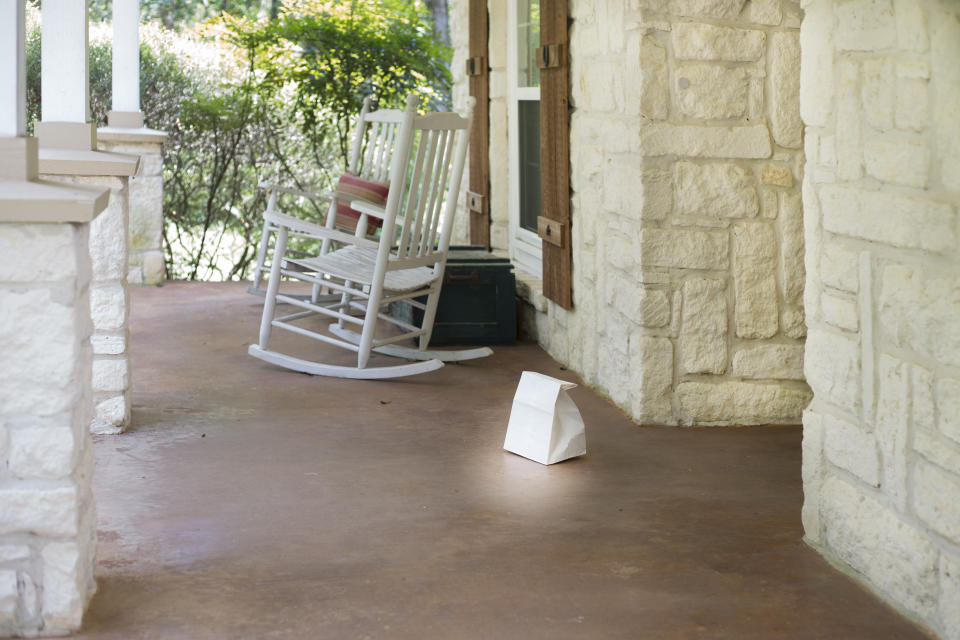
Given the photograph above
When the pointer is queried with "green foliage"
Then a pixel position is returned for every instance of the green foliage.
(334, 53)
(279, 109)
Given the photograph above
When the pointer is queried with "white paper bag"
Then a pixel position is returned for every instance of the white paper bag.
(545, 425)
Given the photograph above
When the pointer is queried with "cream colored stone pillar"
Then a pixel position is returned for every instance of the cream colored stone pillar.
(67, 154)
(879, 96)
(47, 514)
(126, 133)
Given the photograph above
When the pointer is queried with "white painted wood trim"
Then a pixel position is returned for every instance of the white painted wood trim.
(13, 74)
(126, 55)
(64, 84)
(318, 369)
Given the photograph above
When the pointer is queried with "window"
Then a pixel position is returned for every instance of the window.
(523, 78)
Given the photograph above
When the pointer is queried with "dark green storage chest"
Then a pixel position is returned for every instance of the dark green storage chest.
(478, 302)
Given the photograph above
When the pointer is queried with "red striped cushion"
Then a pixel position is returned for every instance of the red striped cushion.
(353, 188)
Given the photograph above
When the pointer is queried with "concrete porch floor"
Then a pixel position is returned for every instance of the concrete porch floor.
(248, 501)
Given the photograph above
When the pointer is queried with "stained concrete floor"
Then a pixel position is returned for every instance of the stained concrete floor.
(251, 502)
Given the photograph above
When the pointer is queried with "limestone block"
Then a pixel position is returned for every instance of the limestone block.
(108, 240)
(849, 121)
(714, 191)
(752, 141)
(813, 238)
(649, 89)
(935, 492)
(38, 252)
(911, 26)
(703, 332)
(710, 91)
(838, 267)
(651, 378)
(827, 151)
(948, 403)
(740, 402)
(619, 252)
(811, 471)
(656, 198)
(108, 307)
(9, 596)
(155, 267)
(793, 322)
(647, 306)
(14, 552)
(831, 364)
(839, 311)
(777, 174)
(63, 589)
(623, 186)
(878, 93)
(891, 427)
(110, 375)
(601, 84)
(714, 8)
(790, 227)
(782, 361)
(853, 448)
(44, 511)
(684, 248)
(919, 309)
(950, 596)
(40, 340)
(785, 123)
(922, 400)
(696, 41)
(754, 280)
(146, 213)
(865, 25)
(43, 451)
(913, 104)
(765, 12)
(816, 68)
(115, 411)
(888, 217)
(108, 344)
(945, 76)
(898, 161)
(895, 556)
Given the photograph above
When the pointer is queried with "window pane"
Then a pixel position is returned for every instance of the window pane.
(528, 40)
(529, 126)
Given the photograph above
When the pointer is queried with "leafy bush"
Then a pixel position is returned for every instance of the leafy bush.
(242, 101)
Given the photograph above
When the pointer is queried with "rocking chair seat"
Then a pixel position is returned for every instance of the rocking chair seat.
(358, 265)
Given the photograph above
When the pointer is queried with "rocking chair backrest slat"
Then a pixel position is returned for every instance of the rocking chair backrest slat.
(428, 185)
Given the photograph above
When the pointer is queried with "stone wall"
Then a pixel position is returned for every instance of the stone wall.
(880, 95)
(145, 238)
(47, 519)
(686, 160)
(109, 305)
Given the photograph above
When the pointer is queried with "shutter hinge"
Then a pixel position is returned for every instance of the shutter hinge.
(476, 66)
(552, 231)
(475, 201)
(550, 56)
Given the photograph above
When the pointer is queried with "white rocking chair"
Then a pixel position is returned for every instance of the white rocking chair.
(408, 261)
(370, 158)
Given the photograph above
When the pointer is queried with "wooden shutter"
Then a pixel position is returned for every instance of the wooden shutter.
(553, 226)
(478, 71)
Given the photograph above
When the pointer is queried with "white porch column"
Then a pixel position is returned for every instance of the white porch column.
(126, 65)
(126, 133)
(68, 154)
(12, 75)
(47, 514)
(65, 81)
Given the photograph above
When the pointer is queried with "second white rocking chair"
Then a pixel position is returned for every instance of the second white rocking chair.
(407, 263)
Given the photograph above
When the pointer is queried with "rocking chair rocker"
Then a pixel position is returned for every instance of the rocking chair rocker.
(366, 178)
(406, 263)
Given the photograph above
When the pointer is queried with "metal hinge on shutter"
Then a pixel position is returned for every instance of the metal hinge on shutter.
(550, 56)
(475, 66)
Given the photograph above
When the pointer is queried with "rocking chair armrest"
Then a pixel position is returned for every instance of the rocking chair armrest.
(313, 195)
(368, 208)
(318, 231)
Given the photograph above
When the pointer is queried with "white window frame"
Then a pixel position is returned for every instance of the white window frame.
(526, 248)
